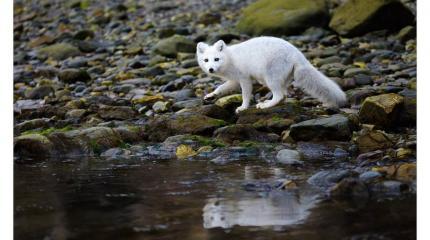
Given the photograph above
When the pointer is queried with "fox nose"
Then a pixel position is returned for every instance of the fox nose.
(211, 70)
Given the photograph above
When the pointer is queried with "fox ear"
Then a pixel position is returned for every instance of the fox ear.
(220, 45)
(201, 47)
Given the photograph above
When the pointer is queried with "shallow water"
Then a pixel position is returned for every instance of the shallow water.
(93, 198)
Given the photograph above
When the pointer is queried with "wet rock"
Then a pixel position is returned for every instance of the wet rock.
(180, 95)
(358, 17)
(23, 105)
(130, 134)
(32, 124)
(171, 46)
(88, 140)
(114, 153)
(209, 18)
(194, 141)
(274, 124)
(373, 140)
(187, 104)
(279, 17)
(388, 189)
(116, 112)
(403, 153)
(185, 151)
(406, 33)
(358, 95)
(335, 127)
(259, 186)
(370, 176)
(242, 132)
(73, 75)
(232, 154)
(332, 59)
(320, 151)
(408, 115)
(350, 188)
(136, 81)
(289, 157)
(59, 51)
(290, 110)
(147, 100)
(83, 34)
(163, 126)
(214, 111)
(40, 92)
(328, 178)
(123, 88)
(381, 110)
(160, 106)
(407, 172)
(350, 72)
(32, 145)
(76, 113)
(44, 39)
(370, 156)
(363, 79)
(152, 71)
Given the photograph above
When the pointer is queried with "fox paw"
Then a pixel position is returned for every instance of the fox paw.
(240, 109)
(263, 105)
(209, 96)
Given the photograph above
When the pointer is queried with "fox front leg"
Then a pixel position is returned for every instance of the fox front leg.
(223, 89)
(246, 86)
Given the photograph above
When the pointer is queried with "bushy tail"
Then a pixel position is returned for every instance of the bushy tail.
(319, 86)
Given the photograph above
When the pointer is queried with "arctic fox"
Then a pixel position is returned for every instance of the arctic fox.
(272, 62)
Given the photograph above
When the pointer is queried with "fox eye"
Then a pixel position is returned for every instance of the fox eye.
(216, 59)
(206, 60)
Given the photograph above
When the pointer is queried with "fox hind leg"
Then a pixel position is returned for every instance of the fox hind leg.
(275, 87)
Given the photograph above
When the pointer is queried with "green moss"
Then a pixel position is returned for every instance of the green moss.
(46, 132)
(204, 141)
(95, 147)
(134, 129)
(281, 16)
(357, 17)
(124, 145)
(249, 143)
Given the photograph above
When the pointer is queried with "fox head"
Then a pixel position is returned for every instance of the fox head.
(211, 59)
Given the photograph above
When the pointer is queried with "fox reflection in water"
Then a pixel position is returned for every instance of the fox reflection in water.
(275, 208)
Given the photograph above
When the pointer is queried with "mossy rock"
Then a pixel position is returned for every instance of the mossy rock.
(32, 145)
(273, 124)
(171, 46)
(163, 126)
(374, 140)
(59, 51)
(282, 17)
(290, 110)
(356, 17)
(116, 112)
(381, 110)
(230, 101)
(95, 139)
(74, 75)
(147, 100)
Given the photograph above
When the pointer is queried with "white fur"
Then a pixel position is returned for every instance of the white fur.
(272, 62)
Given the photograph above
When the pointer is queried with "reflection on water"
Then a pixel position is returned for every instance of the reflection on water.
(278, 208)
(134, 199)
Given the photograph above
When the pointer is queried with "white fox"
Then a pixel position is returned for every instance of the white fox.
(272, 62)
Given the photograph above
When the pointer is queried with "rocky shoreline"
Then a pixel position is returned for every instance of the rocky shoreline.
(121, 81)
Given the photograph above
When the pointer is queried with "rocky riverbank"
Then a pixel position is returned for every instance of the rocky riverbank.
(121, 81)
